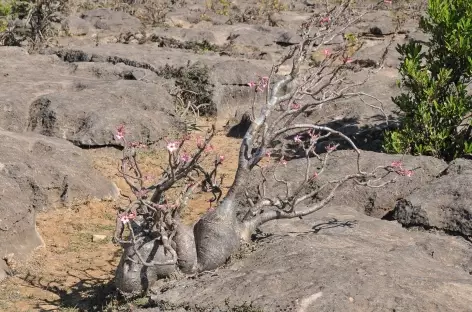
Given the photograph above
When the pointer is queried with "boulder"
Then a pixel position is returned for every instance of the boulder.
(345, 261)
(249, 41)
(88, 114)
(228, 76)
(444, 203)
(112, 21)
(76, 26)
(83, 104)
(36, 173)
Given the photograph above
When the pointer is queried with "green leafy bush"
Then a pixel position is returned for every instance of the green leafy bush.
(5, 13)
(37, 17)
(435, 109)
(5, 9)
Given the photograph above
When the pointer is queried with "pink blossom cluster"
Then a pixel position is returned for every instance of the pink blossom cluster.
(398, 165)
(120, 135)
(282, 160)
(292, 106)
(142, 193)
(325, 20)
(346, 60)
(331, 147)
(126, 217)
(185, 157)
(120, 132)
(295, 106)
(311, 134)
(260, 85)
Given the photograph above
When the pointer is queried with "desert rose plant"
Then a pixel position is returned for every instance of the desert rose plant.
(157, 244)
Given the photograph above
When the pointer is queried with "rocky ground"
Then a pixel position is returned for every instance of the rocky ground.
(401, 248)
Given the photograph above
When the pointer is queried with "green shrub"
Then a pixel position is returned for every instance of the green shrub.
(38, 15)
(435, 109)
(5, 14)
(5, 9)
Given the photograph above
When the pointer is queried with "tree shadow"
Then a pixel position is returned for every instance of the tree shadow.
(240, 129)
(259, 235)
(90, 293)
(333, 223)
(367, 137)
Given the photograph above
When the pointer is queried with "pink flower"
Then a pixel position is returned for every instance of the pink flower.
(125, 218)
(331, 148)
(400, 170)
(295, 106)
(200, 142)
(313, 136)
(251, 84)
(268, 153)
(348, 60)
(209, 148)
(120, 132)
(172, 146)
(283, 161)
(314, 176)
(221, 158)
(324, 20)
(388, 1)
(185, 158)
(397, 164)
(297, 139)
(327, 52)
(405, 172)
(263, 82)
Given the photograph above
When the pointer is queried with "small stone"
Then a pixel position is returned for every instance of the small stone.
(351, 299)
(98, 237)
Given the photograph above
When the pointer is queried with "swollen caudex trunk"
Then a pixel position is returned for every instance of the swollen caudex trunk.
(132, 277)
(214, 238)
(218, 233)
